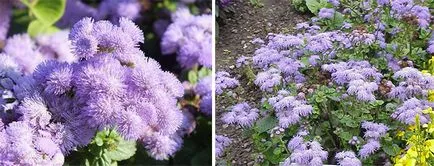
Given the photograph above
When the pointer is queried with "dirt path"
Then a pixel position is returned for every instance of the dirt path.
(235, 34)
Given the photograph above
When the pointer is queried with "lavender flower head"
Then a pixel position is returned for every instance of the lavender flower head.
(204, 89)
(289, 109)
(111, 86)
(221, 143)
(360, 77)
(308, 153)
(369, 148)
(412, 83)
(190, 37)
(224, 81)
(267, 80)
(117, 9)
(241, 114)
(326, 13)
(347, 158)
(411, 108)
(373, 133)
(374, 130)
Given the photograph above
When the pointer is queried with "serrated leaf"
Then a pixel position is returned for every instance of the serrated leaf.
(266, 124)
(124, 150)
(48, 11)
(391, 150)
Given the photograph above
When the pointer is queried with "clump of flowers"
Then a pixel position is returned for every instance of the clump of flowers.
(223, 81)
(373, 133)
(204, 89)
(221, 142)
(307, 153)
(190, 37)
(348, 158)
(361, 78)
(241, 114)
(289, 109)
(111, 86)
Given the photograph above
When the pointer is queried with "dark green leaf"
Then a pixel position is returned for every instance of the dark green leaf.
(266, 124)
(391, 150)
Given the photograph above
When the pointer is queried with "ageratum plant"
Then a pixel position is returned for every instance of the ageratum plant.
(341, 89)
(112, 87)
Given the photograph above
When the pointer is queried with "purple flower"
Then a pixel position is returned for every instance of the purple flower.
(267, 80)
(241, 114)
(362, 79)
(370, 148)
(242, 61)
(347, 158)
(309, 153)
(265, 57)
(204, 86)
(5, 16)
(224, 81)
(161, 147)
(412, 83)
(206, 104)
(326, 13)
(408, 111)
(335, 3)
(289, 110)
(190, 37)
(221, 143)
(119, 8)
(374, 130)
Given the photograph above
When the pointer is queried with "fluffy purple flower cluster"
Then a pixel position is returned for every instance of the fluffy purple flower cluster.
(411, 108)
(326, 13)
(108, 9)
(289, 109)
(221, 142)
(204, 89)
(241, 114)
(413, 83)
(223, 81)
(267, 80)
(111, 86)
(306, 153)
(28, 53)
(360, 77)
(190, 37)
(408, 9)
(373, 133)
(347, 158)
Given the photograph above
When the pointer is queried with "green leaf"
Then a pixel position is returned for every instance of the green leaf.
(37, 27)
(124, 150)
(203, 72)
(266, 124)
(277, 151)
(391, 150)
(314, 5)
(48, 11)
(346, 135)
(192, 76)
